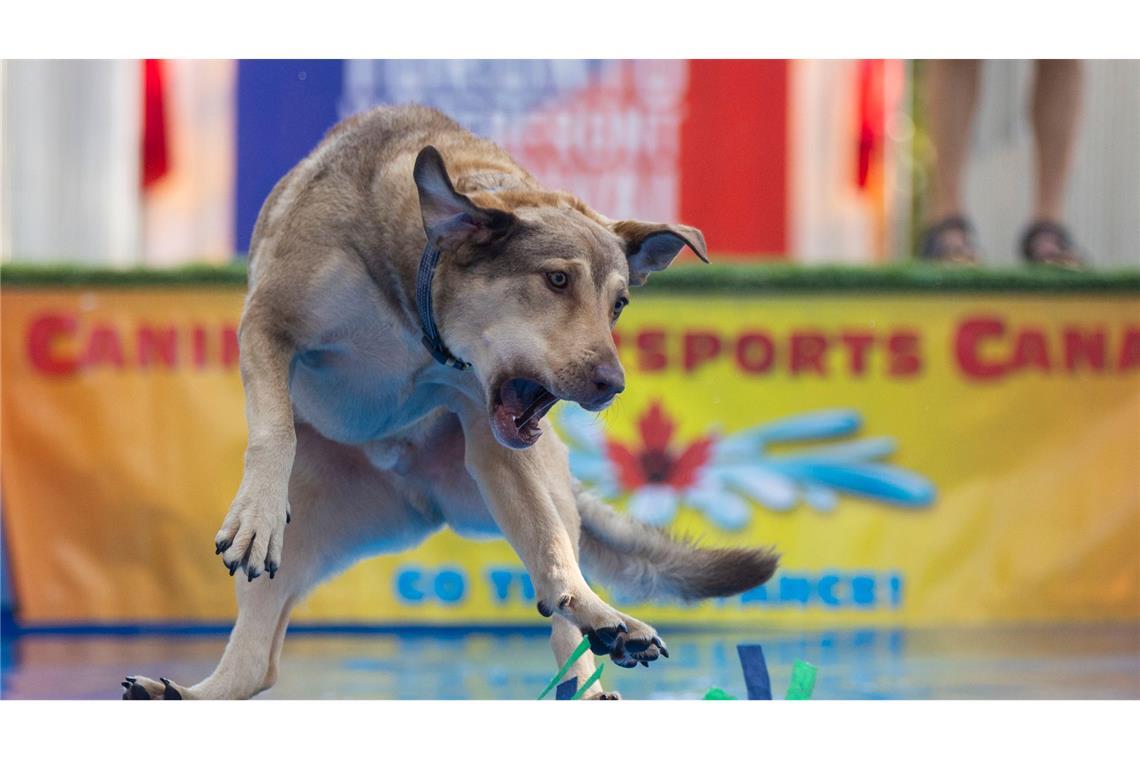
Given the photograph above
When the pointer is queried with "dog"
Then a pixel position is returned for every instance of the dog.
(417, 303)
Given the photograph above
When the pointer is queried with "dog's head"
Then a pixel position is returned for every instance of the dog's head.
(533, 285)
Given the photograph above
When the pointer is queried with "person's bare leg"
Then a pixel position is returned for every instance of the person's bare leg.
(1055, 112)
(951, 94)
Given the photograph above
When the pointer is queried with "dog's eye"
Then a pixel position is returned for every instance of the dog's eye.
(558, 280)
(621, 304)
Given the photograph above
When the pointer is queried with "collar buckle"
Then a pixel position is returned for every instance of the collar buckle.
(440, 353)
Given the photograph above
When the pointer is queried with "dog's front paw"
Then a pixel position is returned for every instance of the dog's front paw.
(638, 643)
(137, 687)
(251, 538)
(627, 641)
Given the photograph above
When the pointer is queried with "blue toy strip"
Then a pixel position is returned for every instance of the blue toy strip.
(567, 689)
(581, 650)
(756, 678)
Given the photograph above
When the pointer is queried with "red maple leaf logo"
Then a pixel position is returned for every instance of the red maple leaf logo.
(656, 462)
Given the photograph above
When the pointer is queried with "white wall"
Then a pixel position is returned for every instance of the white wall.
(72, 187)
(71, 161)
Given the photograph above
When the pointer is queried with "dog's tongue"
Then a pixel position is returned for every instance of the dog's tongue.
(523, 403)
(512, 398)
(540, 406)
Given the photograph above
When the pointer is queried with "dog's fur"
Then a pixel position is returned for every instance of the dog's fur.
(364, 444)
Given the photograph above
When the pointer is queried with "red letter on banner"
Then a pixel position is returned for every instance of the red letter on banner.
(857, 344)
(1129, 351)
(970, 334)
(103, 347)
(699, 348)
(1084, 348)
(755, 353)
(42, 335)
(651, 351)
(807, 350)
(905, 357)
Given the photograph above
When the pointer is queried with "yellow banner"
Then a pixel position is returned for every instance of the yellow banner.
(916, 459)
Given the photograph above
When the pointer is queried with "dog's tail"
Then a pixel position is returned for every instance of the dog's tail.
(640, 561)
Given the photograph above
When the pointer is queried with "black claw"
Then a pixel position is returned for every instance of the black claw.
(544, 609)
(126, 685)
(644, 663)
(288, 517)
(221, 546)
(253, 574)
(130, 679)
(661, 645)
(170, 692)
(233, 569)
(621, 626)
(138, 692)
(272, 573)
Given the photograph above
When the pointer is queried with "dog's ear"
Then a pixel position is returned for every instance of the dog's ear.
(652, 247)
(449, 217)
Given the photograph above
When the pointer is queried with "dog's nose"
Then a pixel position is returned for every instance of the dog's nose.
(609, 380)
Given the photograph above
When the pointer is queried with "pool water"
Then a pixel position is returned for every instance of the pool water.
(1043, 662)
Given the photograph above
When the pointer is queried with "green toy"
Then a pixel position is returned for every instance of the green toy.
(589, 682)
(718, 693)
(803, 680)
(581, 650)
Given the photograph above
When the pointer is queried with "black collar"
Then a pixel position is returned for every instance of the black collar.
(431, 338)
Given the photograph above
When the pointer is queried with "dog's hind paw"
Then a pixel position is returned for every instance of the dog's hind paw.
(606, 696)
(137, 687)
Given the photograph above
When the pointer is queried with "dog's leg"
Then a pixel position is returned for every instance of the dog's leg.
(252, 535)
(343, 508)
(249, 663)
(530, 496)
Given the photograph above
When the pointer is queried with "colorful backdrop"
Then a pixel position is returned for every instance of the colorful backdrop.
(704, 140)
(917, 458)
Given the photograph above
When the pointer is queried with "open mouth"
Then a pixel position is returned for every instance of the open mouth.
(519, 406)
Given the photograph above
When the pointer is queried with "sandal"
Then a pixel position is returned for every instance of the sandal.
(950, 241)
(1050, 243)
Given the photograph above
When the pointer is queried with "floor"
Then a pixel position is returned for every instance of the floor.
(1072, 662)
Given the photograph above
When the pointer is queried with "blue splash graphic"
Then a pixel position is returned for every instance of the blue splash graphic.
(743, 472)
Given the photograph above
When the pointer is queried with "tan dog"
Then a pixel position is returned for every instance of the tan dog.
(364, 443)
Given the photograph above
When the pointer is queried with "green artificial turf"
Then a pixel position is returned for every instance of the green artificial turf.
(720, 278)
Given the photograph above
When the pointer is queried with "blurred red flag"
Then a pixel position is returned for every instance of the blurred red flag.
(871, 117)
(155, 155)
